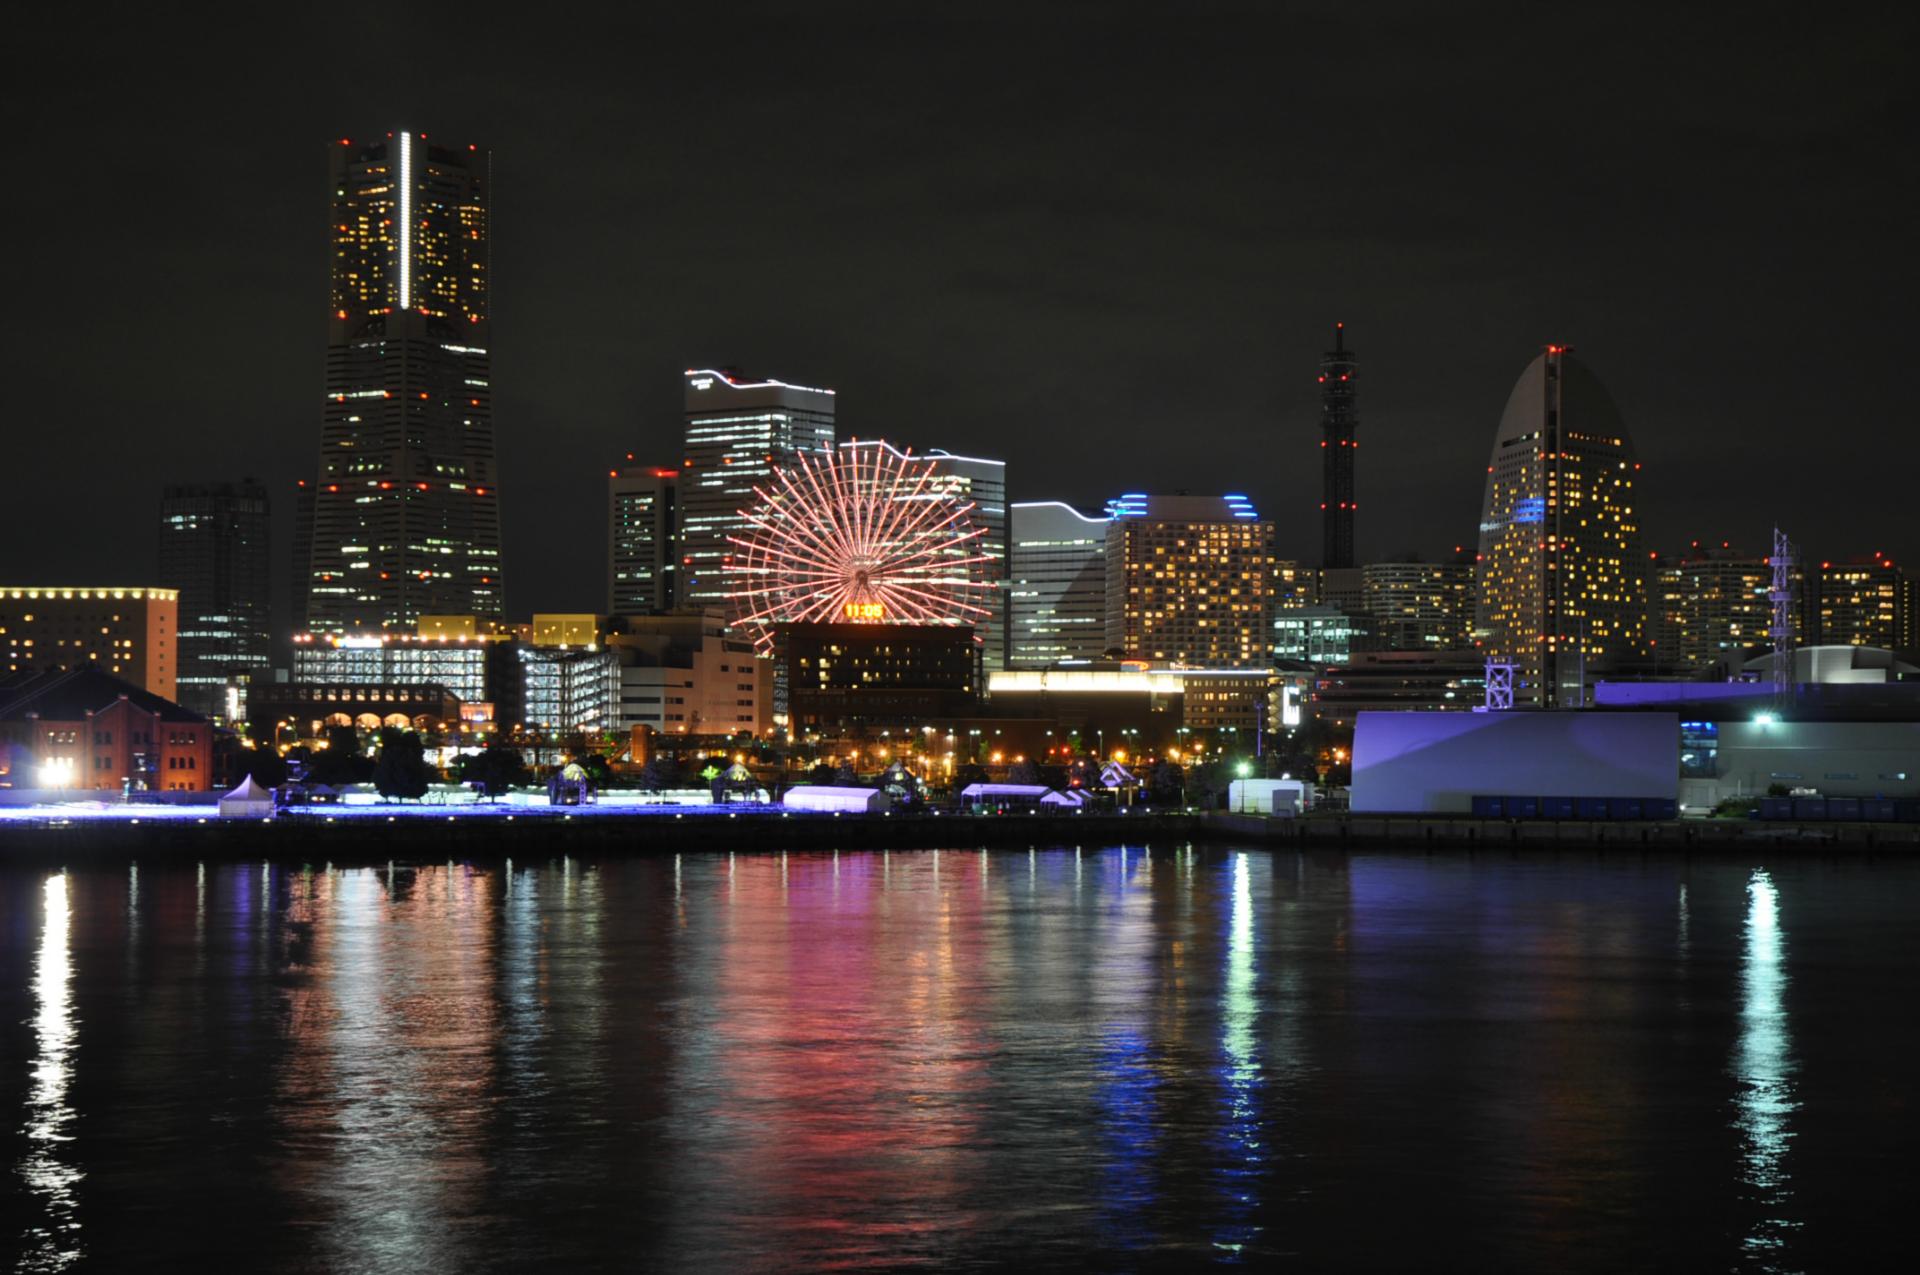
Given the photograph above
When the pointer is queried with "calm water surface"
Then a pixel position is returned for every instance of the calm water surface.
(1112, 1059)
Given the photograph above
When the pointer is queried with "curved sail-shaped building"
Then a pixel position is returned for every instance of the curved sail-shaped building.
(1562, 582)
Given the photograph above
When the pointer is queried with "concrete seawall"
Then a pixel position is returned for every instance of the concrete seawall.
(1414, 832)
(314, 839)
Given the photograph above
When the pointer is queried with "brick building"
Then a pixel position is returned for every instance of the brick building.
(85, 729)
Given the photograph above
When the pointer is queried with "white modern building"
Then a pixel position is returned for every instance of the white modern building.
(1057, 585)
(738, 431)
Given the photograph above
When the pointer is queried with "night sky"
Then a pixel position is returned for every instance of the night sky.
(1106, 248)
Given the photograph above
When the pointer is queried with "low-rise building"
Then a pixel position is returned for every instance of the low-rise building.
(681, 674)
(855, 677)
(82, 728)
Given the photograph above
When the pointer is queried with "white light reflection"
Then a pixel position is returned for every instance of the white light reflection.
(1764, 1067)
(52, 1242)
(1240, 1072)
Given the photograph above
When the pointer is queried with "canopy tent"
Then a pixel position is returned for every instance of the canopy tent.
(248, 801)
(835, 797)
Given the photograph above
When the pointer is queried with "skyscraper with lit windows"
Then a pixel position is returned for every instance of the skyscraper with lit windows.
(406, 508)
(213, 550)
(739, 431)
(642, 538)
(1057, 584)
(1562, 584)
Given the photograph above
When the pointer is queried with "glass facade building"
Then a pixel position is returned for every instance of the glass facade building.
(1562, 580)
(214, 554)
(405, 515)
(737, 432)
(471, 669)
(1057, 584)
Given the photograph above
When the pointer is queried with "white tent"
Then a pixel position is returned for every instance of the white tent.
(1019, 795)
(248, 801)
(1268, 796)
(834, 797)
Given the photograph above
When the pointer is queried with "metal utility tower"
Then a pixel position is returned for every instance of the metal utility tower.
(1339, 374)
(1781, 631)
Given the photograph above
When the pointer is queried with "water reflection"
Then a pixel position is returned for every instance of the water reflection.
(1098, 1058)
(1764, 1066)
(1239, 1074)
(49, 1171)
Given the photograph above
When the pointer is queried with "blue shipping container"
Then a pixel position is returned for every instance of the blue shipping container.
(1488, 808)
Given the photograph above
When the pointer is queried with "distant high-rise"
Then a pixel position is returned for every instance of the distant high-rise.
(1867, 602)
(738, 432)
(406, 510)
(213, 551)
(642, 539)
(1189, 580)
(1339, 419)
(1710, 604)
(1419, 606)
(1560, 572)
(1057, 584)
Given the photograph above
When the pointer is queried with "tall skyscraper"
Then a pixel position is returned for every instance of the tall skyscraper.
(406, 509)
(213, 551)
(1339, 419)
(1562, 582)
(642, 539)
(1057, 584)
(738, 432)
(1189, 580)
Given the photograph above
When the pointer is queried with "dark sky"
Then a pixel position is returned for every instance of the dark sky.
(1103, 242)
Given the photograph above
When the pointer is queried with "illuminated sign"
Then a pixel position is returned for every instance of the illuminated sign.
(1530, 509)
(864, 611)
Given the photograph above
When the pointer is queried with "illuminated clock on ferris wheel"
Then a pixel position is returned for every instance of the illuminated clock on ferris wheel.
(863, 539)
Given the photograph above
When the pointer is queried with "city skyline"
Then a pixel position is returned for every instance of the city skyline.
(1086, 308)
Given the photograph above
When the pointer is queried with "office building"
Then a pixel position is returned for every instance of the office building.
(1868, 602)
(738, 432)
(1339, 421)
(1398, 681)
(213, 553)
(565, 691)
(1189, 580)
(1316, 635)
(83, 728)
(406, 505)
(130, 633)
(855, 677)
(1057, 585)
(642, 539)
(683, 675)
(1562, 583)
(1418, 606)
(482, 671)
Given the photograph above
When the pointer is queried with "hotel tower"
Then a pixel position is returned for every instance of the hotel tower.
(1562, 584)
